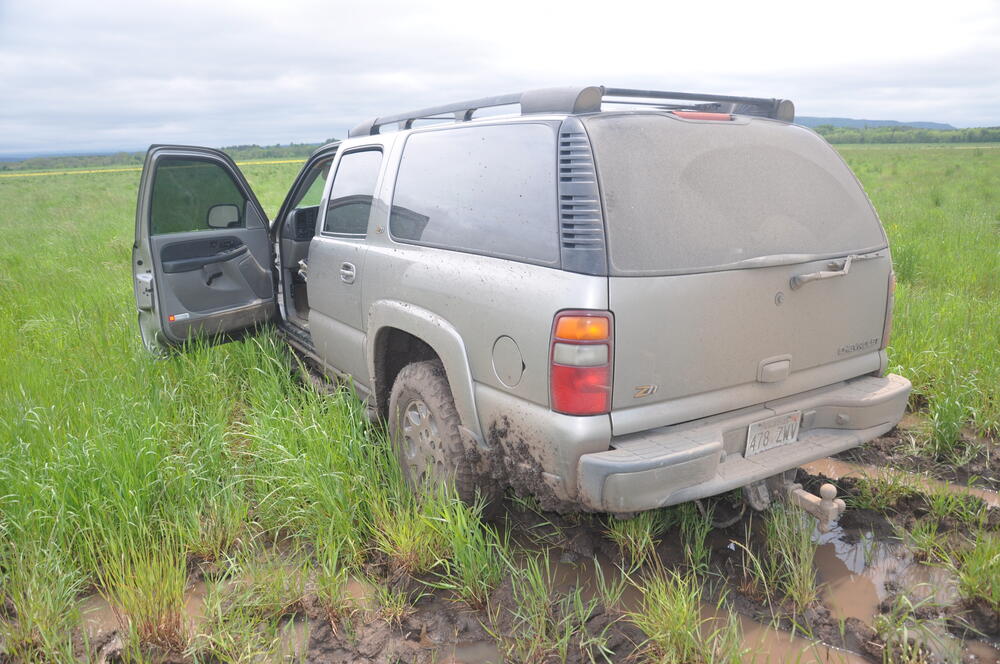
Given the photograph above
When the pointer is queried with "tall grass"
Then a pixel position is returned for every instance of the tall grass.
(636, 537)
(117, 470)
(978, 569)
(680, 627)
(941, 211)
(478, 557)
(144, 580)
(547, 625)
(783, 566)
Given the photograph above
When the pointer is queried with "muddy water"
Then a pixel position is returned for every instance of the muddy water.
(858, 572)
(483, 652)
(856, 575)
(835, 469)
(851, 588)
(98, 617)
(767, 644)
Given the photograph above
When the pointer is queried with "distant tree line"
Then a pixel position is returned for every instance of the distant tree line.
(124, 159)
(904, 134)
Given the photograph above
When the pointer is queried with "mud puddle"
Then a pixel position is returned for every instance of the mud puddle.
(896, 449)
(102, 625)
(858, 572)
(836, 469)
(482, 652)
(862, 574)
(767, 644)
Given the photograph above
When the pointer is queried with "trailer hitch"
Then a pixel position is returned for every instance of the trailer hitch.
(825, 507)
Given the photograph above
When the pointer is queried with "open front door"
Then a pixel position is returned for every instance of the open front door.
(202, 255)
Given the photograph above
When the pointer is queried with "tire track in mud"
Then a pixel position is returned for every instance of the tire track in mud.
(836, 469)
(859, 570)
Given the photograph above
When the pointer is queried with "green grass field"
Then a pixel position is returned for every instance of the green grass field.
(120, 474)
(941, 209)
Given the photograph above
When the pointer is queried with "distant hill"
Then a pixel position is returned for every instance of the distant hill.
(852, 123)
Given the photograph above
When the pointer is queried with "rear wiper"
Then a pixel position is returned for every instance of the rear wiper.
(774, 260)
(777, 260)
(836, 270)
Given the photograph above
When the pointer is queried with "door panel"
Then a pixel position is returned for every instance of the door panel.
(335, 313)
(336, 263)
(728, 339)
(202, 254)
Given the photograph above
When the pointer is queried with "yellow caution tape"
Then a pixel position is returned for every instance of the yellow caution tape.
(136, 168)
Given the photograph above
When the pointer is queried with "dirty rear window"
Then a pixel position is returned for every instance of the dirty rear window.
(684, 196)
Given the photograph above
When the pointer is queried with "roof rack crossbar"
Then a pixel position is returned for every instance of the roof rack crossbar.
(780, 109)
(462, 112)
(573, 100)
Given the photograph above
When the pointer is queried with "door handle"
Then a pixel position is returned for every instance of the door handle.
(347, 273)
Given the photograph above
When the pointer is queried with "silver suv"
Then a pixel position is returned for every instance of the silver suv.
(610, 299)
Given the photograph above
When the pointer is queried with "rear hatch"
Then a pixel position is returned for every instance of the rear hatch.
(710, 223)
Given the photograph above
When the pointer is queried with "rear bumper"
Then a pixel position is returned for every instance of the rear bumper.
(684, 462)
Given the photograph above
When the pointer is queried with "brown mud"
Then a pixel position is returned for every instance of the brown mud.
(896, 450)
(861, 567)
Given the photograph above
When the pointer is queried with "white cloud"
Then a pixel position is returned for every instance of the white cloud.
(121, 74)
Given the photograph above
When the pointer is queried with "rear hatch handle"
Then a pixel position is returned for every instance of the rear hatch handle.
(836, 270)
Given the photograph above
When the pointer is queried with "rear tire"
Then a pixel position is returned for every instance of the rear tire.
(424, 427)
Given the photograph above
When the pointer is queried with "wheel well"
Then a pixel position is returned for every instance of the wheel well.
(394, 349)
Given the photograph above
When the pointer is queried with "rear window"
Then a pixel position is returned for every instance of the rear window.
(683, 196)
(488, 190)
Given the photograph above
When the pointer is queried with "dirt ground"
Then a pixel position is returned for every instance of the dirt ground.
(894, 450)
(861, 566)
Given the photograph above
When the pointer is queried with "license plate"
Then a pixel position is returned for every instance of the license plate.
(773, 432)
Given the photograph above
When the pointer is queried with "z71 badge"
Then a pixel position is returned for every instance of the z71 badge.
(644, 391)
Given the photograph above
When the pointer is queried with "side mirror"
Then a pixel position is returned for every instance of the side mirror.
(225, 215)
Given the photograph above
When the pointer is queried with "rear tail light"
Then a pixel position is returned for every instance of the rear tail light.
(890, 299)
(581, 354)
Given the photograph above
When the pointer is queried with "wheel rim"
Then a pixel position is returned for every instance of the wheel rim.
(423, 446)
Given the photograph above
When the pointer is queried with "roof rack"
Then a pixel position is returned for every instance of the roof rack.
(586, 99)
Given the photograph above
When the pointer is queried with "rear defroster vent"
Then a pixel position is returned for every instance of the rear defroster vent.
(581, 222)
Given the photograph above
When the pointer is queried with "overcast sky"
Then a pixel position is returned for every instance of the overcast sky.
(93, 76)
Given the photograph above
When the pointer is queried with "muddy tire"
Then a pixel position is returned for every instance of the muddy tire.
(426, 438)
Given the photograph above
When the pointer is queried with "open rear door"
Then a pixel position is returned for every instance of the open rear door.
(202, 255)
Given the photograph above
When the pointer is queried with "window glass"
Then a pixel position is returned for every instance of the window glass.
(312, 190)
(185, 191)
(488, 190)
(685, 197)
(351, 197)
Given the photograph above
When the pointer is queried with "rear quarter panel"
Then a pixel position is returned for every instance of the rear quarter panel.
(484, 299)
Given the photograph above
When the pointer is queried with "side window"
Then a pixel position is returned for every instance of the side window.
(488, 190)
(351, 196)
(312, 192)
(194, 195)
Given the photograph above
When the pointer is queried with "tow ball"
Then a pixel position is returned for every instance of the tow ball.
(826, 507)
